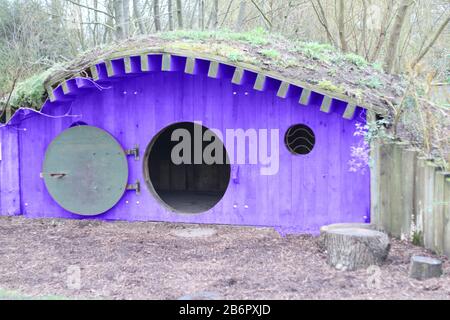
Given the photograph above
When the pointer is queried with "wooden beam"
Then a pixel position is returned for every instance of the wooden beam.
(213, 70)
(260, 82)
(51, 95)
(65, 87)
(190, 65)
(237, 75)
(326, 104)
(349, 112)
(304, 97)
(283, 89)
(165, 66)
(127, 63)
(109, 68)
(94, 72)
(144, 62)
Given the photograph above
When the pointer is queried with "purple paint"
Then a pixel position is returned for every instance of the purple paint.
(308, 191)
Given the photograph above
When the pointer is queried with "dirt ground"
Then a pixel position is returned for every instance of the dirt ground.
(122, 260)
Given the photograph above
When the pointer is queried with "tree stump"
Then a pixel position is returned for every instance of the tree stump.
(355, 248)
(325, 229)
(422, 268)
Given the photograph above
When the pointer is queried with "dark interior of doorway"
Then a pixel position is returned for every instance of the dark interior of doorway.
(186, 187)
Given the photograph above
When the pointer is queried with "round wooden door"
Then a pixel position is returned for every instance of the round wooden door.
(85, 170)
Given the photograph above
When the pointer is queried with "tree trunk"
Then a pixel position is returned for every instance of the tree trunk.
(170, 14)
(179, 14)
(201, 14)
(215, 14)
(341, 26)
(327, 228)
(394, 38)
(126, 18)
(240, 20)
(157, 15)
(138, 17)
(422, 268)
(118, 17)
(383, 30)
(355, 248)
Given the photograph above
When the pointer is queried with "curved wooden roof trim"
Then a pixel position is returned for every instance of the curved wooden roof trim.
(133, 63)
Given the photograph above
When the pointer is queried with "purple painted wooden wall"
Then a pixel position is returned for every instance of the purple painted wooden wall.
(308, 192)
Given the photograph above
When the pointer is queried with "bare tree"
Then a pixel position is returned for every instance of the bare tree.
(126, 17)
(341, 26)
(179, 14)
(215, 14)
(170, 14)
(119, 19)
(201, 14)
(156, 14)
(394, 38)
(138, 16)
(241, 15)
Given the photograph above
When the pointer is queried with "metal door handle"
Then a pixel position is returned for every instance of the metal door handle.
(53, 174)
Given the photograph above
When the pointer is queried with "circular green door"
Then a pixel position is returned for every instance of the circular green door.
(85, 170)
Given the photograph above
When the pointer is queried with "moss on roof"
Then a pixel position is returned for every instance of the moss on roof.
(316, 64)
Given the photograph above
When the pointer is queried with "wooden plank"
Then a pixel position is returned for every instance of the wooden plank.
(385, 165)
(375, 214)
(144, 62)
(51, 95)
(419, 193)
(446, 213)
(395, 194)
(109, 68)
(349, 112)
(65, 87)
(438, 211)
(127, 63)
(428, 197)
(408, 172)
(326, 104)
(190, 65)
(213, 70)
(10, 193)
(166, 62)
(237, 76)
(260, 82)
(283, 89)
(94, 72)
(304, 97)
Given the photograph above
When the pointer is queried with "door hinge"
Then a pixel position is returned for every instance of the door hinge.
(133, 152)
(135, 186)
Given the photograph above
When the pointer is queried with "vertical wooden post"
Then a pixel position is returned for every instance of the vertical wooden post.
(447, 214)
(438, 211)
(419, 195)
(428, 221)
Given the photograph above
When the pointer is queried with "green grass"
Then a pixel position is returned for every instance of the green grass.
(329, 86)
(257, 37)
(357, 60)
(316, 51)
(30, 92)
(373, 82)
(270, 53)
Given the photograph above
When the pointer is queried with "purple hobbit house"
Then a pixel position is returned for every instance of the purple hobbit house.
(101, 146)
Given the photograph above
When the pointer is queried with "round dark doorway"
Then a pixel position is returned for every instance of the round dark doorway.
(178, 174)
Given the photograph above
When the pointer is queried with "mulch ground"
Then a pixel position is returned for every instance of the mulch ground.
(122, 260)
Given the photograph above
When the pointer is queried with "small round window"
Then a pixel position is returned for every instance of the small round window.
(299, 139)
